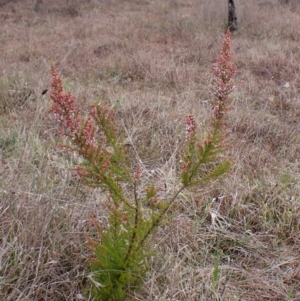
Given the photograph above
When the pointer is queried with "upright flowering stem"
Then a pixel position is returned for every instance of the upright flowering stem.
(63, 106)
(197, 154)
(223, 84)
(80, 130)
(89, 137)
(120, 254)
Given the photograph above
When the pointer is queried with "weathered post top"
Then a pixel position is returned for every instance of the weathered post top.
(232, 18)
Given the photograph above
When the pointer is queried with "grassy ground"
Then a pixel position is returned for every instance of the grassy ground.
(153, 61)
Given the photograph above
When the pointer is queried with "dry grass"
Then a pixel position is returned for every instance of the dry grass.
(152, 60)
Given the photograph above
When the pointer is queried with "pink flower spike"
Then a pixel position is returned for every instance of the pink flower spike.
(223, 85)
(190, 127)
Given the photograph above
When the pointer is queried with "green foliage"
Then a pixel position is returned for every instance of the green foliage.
(200, 162)
(120, 259)
(123, 247)
(215, 275)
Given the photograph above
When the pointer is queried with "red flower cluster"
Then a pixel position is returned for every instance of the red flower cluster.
(64, 108)
(190, 127)
(224, 70)
(222, 86)
(87, 135)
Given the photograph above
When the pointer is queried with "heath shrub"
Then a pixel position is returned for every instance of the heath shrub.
(122, 249)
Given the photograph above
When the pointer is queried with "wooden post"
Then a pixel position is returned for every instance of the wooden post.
(232, 18)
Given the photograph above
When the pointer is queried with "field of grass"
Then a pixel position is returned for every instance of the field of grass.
(152, 60)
